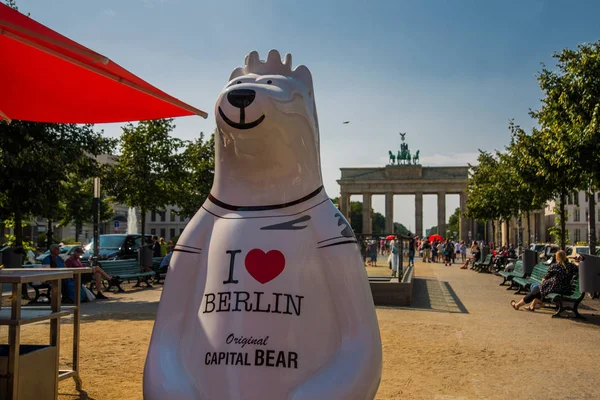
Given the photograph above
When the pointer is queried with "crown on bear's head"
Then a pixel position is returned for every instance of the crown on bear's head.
(273, 66)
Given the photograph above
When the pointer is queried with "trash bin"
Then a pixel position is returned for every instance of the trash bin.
(145, 257)
(36, 375)
(529, 261)
(485, 250)
(589, 274)
(12, 257)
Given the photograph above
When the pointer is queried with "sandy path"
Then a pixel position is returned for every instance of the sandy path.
(460, 340)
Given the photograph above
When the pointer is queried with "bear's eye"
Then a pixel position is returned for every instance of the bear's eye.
(238, 82)
(269, 82)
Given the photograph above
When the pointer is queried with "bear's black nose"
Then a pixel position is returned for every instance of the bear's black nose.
(241, 98)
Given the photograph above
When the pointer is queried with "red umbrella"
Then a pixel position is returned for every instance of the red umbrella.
(390, 237)
(435, 237)
(47, 77)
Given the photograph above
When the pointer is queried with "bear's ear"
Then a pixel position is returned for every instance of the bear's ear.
(239, 71)
(303, 75)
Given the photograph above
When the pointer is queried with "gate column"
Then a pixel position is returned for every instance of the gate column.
(419, 214)
(389, 213)
(367, 227)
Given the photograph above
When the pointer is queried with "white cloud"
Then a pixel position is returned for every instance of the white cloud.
(109, 12)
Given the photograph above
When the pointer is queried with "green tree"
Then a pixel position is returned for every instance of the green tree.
(572, 107)
(518, 191)
(198, 173)
(149, 171)
(356, 216)
(454, 221)
(487, 199)
(77, 203)
(378, 222)
(377, 219)
(400, 229)
(36, 159)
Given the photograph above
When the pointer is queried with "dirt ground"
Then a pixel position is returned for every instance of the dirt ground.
(459, 340)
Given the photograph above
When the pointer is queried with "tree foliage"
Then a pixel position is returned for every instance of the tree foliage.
(571, 113)
(198, 173)
(454, 221)
(377, 220)
(484, 197)
(35, 162)
(149, 171)
(77, 203)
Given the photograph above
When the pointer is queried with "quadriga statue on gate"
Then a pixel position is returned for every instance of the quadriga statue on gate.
(266, 296)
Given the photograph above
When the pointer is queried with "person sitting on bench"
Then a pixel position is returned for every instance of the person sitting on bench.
(53, 260)
(475, 256)
(557, 280)
(97, 272)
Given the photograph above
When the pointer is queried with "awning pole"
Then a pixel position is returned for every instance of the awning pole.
(4, 116)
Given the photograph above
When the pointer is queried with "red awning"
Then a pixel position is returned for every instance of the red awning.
(46, 77)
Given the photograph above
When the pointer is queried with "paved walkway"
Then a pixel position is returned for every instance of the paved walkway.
(461, 339)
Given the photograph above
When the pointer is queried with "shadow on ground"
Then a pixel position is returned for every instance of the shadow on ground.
(82, 395)
(119, 310)
(430, 294)
(434, 295)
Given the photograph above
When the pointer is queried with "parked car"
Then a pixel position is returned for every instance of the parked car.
(117, 246)
(548, 252)
(65, 252)
(537, 247)
(573, 252)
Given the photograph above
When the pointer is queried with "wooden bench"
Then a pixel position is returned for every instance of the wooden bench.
(538, 273)
(122, 270)
(479, 265)
(575, 299)
(508, 276)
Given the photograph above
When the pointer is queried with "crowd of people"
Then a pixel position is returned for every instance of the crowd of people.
(439, 250)
(436, 250)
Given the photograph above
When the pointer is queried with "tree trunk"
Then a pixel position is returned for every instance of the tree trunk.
(49, 234)
(563, 223)
(18, 228)
(494, 233)
(77, 229)
(528, 229)
(592, 222)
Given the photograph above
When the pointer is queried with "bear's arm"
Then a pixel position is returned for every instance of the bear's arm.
(165, 374)
(355, 370)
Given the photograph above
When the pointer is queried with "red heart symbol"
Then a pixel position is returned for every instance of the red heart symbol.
(264, 267)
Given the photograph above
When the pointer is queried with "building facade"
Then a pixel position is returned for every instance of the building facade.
(541, 221)
(577, 208)
(166, 224)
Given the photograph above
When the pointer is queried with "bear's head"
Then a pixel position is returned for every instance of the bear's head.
(268, 134)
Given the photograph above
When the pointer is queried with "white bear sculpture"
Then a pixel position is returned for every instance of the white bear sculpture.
(266, 297)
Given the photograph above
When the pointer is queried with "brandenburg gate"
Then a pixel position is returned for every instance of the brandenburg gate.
(405, 177)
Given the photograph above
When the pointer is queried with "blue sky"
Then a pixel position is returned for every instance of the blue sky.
(450, 73)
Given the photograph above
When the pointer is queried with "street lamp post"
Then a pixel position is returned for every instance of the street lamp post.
(96, 212)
